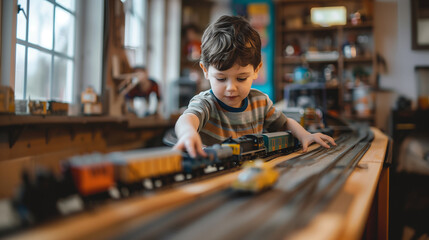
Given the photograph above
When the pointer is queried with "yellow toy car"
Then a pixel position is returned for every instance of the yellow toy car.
(255, 177)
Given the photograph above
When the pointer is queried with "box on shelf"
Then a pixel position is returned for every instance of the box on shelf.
(7, 100)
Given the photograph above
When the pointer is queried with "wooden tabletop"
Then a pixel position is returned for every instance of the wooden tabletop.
(346, 215)
(344, 218)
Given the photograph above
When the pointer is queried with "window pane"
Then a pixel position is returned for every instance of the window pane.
(19, 71)
(41, 15)
(62, 82)
(69, 4)
(138, 8)
(64, 32)
(133, 34)
(21, 23)
(38, 74)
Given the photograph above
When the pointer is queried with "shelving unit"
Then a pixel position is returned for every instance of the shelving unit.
(342, 57)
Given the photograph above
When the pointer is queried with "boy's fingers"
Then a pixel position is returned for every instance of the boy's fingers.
(329, 139)
(201, 152)
(191, 149)
(178, 146)
(304, 147)
(323, 143)
(199, 147)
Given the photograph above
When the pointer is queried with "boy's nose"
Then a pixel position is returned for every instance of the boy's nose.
(230, 86)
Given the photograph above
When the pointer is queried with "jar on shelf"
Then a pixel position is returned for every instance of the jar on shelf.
(363, 101)
(423, 87)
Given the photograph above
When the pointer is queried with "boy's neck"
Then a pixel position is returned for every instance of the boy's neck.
(243, 107)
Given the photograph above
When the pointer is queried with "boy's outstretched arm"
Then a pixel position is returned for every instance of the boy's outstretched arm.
(188, 137)
(307, 138)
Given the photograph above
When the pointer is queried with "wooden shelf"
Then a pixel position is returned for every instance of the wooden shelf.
(358, 60)
(366, 25)
(10, 120)
(299, 60)
(19, 120)
(314, 1)
(309, 85)
(360, 118)
(311, 28)
(291, 13)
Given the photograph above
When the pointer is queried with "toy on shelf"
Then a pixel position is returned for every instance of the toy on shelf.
(312, 119)
(90, 102)
(7, 100)
(58, 108)
(38, 107)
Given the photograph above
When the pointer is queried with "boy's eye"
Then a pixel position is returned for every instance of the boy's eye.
(221, 79)
(241, 79)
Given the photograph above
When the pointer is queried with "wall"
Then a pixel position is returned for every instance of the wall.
(265, 80)
(172, 54)
(89, 41)
(8, 29)
(220, 8)
(164, 47)
(393, 41)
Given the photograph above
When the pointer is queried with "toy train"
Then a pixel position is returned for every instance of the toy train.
(92, 176)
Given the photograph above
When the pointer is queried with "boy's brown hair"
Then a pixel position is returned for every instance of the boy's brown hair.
(228, 41)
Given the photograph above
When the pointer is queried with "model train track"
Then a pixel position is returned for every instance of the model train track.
(307, 184)
(311, 195)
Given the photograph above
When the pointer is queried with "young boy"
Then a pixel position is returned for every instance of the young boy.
(231, 60)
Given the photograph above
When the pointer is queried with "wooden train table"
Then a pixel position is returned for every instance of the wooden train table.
(361, 203)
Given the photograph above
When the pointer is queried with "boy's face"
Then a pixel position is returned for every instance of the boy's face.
(232, 85)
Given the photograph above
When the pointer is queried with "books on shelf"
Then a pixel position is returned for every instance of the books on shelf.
(321, 56)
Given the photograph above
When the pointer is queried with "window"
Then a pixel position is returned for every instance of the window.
(135, 40)
(45, 50)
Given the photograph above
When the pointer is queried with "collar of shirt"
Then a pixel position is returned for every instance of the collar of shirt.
(232, 109)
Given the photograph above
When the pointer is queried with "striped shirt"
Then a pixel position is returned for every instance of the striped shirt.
(219, 121)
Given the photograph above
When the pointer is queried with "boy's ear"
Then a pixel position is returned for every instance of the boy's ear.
(257, 70)
(206, 74)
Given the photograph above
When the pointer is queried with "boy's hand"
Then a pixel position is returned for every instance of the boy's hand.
(191, 142)
(317, 138)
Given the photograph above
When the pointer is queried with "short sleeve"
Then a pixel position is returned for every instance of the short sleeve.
(275, 120)
(200, 107)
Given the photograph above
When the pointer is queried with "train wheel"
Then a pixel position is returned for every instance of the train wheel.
(156, 183)
(168, 180)
(226, 165)
(196, 173)
(124, 191)
(218, 167)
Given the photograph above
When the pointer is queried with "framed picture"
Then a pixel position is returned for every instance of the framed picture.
(420, 24)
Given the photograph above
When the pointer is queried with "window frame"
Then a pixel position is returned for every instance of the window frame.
(52, 52)
(139, 53)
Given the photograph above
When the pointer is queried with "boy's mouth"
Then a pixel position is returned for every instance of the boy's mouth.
(231, 97)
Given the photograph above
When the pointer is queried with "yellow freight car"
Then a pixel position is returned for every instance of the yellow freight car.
(134, 166)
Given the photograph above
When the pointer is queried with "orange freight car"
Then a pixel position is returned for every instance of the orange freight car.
(92, 174)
